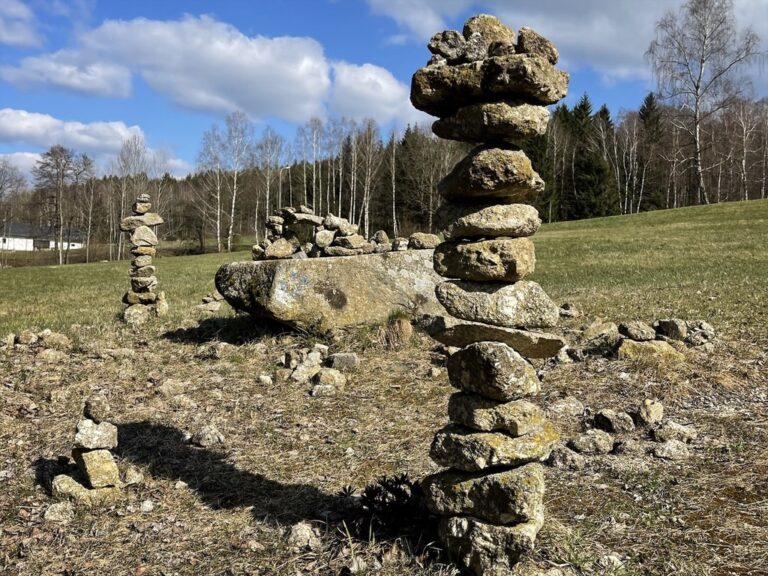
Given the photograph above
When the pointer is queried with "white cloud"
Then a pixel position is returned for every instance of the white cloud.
(101, 140)
(370, 91)
(65, 69)
(42, 130)
(17, 24)
(422, 18)
(197, 62)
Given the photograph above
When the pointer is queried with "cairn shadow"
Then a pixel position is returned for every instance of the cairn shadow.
(167, 454)
(238, 330)
(46, 469)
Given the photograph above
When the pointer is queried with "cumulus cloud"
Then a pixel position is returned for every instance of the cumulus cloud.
(197, 62)
(17, 24)
(21, 127)
(369, 91)
(101, 140)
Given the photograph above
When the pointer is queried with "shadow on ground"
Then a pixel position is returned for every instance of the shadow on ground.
(238, 330)
(167, 454)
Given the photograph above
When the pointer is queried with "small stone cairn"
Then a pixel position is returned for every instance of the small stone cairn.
(491, 88)
(94, 439)
(142, 299)
(298, 233)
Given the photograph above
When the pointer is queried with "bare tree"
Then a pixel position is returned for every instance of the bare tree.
(237, 149)
(210, 162)
(696, 56)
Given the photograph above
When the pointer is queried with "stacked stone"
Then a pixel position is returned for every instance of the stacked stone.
(298, 233)
(490, 88)
(142, 298)
(94, 439)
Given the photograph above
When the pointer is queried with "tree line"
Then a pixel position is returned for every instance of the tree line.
(699, 138)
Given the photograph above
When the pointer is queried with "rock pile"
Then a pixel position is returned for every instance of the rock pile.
(490, 88)
(142, 299)
(299, 233)
(94, 438)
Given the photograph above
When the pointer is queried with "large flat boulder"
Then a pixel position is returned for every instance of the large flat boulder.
(320, 294)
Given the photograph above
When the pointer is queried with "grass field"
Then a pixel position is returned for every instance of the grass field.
(287, 455)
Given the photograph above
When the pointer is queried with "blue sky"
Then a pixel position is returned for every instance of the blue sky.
(89, 73)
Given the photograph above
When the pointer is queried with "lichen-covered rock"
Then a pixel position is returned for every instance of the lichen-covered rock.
(56, 341)
(613, 421)
(486, 548)
(531, 42)
(143, 236)
(672, 450)
(671, 430)
(143, 272)
(449, 44)
(493, 370)
(132, 298)
(651, 412)
(490, 29)
(523, 304)
(653, 351)
(423, 241)
(281, 248)
(324, 293)
(592, 442)
(130, 223)
(600, 338)
(673, 328)
(97, 408)
(441, 90)
(563, 458)
(506, 497)
(485, 415)
(460, 333)
(495, 260)
(92, 436)
(638, 331)
(147, 284)
(494, 123)
(207, 436)
(510, 220)
(137, 314)
(463, 449)
(98, 466)
(492, 173)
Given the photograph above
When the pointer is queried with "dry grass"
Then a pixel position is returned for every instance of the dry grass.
(288, 456)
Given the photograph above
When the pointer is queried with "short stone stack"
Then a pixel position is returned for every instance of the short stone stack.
(490, 88)
(143, 299)
(94, 439)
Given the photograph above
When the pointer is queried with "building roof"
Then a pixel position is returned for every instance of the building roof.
(20, 230)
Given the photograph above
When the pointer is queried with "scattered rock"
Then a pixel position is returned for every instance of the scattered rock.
(343, 361)
(592, 442)
(302, 537)
(672, 450)
(601, 339)
(26, 338)
(651, 412)
(672, 328)
(50, 356)
(422, 241)
(654, 351)
(564, 458)
(56, 341)
(207, 436)
(132, 476)
(638, 331)
(265, 380)
(671, 430)
(568, 406)
(568, 310)
(61, 513)
(613, 421)
(327, 382)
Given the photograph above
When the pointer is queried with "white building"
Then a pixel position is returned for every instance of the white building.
(27, 238)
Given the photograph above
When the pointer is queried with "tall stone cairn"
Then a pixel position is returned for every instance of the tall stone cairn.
(491, 88)
(142, 299)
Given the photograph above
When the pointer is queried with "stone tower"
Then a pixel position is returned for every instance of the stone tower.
(490, 87)
(142, 299)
